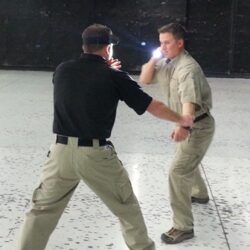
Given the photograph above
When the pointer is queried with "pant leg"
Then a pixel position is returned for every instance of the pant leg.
(58, 182)
(199, 188)
(183, 171)
(102, 171)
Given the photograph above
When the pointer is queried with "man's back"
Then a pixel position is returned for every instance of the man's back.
(85, 98)
(86, 95)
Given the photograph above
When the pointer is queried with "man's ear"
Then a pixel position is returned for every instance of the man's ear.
(107, 51)
(108, 47)
(180, 43)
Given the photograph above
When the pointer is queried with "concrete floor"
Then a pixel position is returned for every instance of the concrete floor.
(143, 144)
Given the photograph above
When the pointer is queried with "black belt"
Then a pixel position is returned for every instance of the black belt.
(201, 117)
(198, 118)
(81, 142)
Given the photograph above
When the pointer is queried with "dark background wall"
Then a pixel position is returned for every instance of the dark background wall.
(40, 34)
(220, 35)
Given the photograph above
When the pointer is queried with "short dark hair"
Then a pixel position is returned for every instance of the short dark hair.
(176, 29)
(97, 36)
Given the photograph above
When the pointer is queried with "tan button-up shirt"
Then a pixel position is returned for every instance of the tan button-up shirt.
(183, 81)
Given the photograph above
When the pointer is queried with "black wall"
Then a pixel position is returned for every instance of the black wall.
(220, 35)
(136, 22)
(241, 38)
(41, 34)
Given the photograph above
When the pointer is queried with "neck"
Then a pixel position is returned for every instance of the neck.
(180, 52)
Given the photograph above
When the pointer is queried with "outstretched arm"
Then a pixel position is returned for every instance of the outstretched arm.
(160, 110)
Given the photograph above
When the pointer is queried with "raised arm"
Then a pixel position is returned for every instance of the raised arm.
(147, 71)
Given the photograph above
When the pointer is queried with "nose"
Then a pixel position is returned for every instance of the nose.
(163, 47)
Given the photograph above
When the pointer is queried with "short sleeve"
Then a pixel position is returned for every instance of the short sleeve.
(190, 87)
(130, 92)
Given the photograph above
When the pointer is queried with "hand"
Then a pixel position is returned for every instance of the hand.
(114, 63)
(157, 54)
(187, 121)
(179, 134)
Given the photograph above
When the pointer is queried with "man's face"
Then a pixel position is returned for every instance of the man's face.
(170, 46)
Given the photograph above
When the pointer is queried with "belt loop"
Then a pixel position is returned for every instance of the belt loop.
(96, 143)
(73, 141)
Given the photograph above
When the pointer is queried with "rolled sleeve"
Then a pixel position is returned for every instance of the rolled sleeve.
(189, 88)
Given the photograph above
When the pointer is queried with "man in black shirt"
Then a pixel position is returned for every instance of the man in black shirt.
(86, 95)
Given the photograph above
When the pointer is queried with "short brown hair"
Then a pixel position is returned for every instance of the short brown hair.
(176, 29)
(97, 36)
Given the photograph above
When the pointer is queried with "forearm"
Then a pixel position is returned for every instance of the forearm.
(188, 108)
(161, 111)
(147, 72)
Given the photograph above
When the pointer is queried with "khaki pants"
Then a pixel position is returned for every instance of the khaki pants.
(100, 168)
(184, 176)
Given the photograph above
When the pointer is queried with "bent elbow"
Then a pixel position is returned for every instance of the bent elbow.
(143, 81)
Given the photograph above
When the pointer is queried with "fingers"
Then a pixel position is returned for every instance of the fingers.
(179, 134)
(177, 138)
(114, 63)
(172, 135)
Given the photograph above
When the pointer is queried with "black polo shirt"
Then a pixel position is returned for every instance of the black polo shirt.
(86, 95)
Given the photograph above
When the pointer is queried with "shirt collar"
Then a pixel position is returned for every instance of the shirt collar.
(92, 57)
(177, 58)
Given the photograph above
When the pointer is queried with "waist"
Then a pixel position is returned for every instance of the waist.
(200, 117)
(83, 142)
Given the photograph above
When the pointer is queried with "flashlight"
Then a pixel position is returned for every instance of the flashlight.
(111, 51)
(157, 54)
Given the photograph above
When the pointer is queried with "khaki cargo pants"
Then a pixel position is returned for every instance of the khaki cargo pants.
(100, 168)
(184, 176)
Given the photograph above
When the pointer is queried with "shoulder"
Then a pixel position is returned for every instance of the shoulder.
(64, 70)
(120, 75)
(187, 64)
(186, 60)
(67, 65)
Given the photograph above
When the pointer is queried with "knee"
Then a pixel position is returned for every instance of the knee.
(180, 171)
(176, 170)
(130, 206)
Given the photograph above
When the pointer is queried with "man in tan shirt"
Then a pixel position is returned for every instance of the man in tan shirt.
(187, 92)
